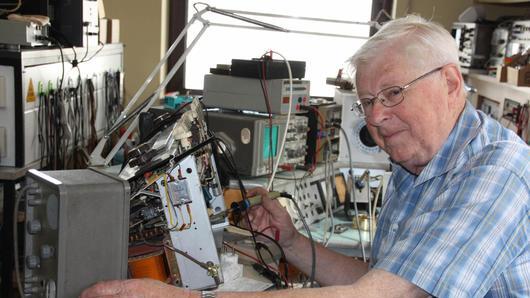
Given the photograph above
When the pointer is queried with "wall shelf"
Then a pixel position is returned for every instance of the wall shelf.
(489, 87)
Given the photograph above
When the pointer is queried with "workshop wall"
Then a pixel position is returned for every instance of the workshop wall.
(144, 33)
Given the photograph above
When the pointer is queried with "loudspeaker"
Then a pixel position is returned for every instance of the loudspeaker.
(364, 151)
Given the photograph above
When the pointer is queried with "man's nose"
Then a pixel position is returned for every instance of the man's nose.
(379, 113)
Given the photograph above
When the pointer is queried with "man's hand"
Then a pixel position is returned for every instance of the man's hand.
(271, 216)
(135, 288)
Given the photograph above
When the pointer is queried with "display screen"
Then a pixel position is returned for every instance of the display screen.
(270, 148)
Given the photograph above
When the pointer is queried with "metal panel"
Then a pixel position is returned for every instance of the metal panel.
(239, 93)
(76, 231)
(35, 67)
(198, 240)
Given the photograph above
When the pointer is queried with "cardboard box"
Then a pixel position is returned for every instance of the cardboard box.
(519, 76)
(502, 73)
(109, 30)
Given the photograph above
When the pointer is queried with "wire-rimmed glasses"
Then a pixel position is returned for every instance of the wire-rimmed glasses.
(388, 97)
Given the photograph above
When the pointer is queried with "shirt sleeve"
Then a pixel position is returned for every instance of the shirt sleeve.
(473, 231)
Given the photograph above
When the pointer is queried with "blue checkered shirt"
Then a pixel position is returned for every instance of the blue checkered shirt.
(461, 228)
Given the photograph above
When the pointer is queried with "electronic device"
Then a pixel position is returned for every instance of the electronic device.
(321, 121)
(23, 33)
(255, 144)
(27, 75)
(499, 45)
(519, 40)
(77, 21)
(266, 69)
(473, 41)
(364, 151)
(74, 23)
(70, 243)
(238, 93)
(174, 190)
(490, 108)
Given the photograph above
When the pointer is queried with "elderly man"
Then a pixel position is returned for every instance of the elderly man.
(455, 220)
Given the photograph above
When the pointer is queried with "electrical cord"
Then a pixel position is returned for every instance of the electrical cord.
(352, 193)
(232, 165)
(102, 45)
(282, 252)
(311, 240)
(62, 58)
(4, 11)
(264, 89)
(280, 152)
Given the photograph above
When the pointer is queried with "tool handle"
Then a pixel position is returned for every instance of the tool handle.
(255, 200)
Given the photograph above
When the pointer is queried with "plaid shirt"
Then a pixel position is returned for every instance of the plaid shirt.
(461, 228)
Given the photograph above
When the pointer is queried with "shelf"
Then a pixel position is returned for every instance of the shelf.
(468, 71)
(489, 87)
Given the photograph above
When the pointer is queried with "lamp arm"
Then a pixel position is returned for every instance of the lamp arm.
(154, 98)
(272, 15)
(96, 158)
(290, 31)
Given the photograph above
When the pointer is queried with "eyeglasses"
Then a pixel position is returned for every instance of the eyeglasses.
(389, 97)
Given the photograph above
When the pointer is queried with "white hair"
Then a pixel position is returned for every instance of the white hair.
(424, 43)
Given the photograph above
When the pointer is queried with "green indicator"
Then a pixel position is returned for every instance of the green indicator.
(267, 152)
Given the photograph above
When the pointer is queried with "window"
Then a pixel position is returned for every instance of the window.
(323, 55)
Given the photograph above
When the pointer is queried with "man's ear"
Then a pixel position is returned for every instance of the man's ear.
(453, 80)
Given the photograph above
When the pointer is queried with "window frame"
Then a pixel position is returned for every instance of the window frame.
(178, 19)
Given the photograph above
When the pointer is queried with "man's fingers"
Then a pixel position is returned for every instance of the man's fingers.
(256, 191)
(103, 289)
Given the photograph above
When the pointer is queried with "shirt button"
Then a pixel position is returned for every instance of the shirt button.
(394, 227)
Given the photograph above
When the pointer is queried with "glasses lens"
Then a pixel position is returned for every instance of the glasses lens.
(391, 96)
(358, 109)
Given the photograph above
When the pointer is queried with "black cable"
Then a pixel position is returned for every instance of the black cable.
(86, 52)
(42, 127)
(102, 45)
(277, 276)
(92, 106)
(60, 87)
(282, 252)
(308, 231)
(231, 163)
(264, 89)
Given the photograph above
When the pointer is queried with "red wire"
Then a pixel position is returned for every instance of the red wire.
(268, 105)
(275, 230)
(257, 261)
